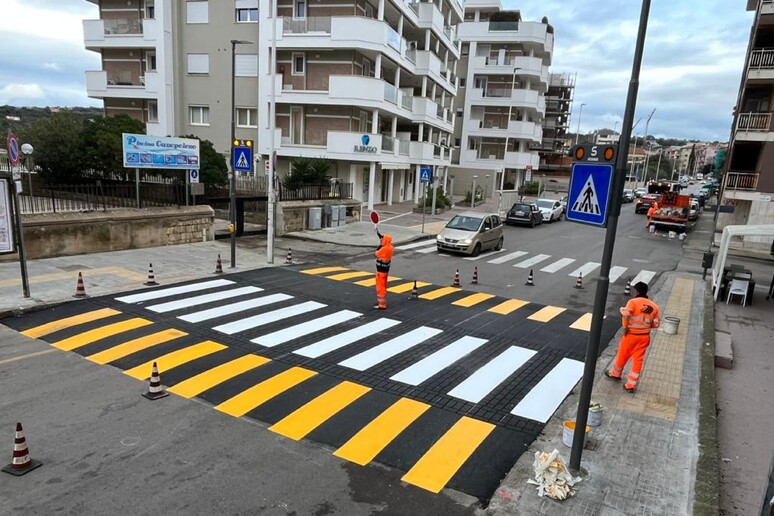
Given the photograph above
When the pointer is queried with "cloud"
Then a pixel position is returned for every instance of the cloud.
(16, 91)
(52, 66)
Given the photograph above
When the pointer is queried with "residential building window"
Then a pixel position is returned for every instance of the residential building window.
(198, 64)
(459, 112)
(153, 111)
(150, 61)
(465, 48)
(457, 142)
(366, 68)
(197, 11)
(300, 9)
(299, 64)
(246, 65)
(199, 115)
(150, 9)
(247, 15)
(247, 117)
(462, 82)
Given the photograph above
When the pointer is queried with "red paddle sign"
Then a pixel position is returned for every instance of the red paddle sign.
(374, 217)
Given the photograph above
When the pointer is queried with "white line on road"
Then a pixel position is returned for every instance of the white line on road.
(644, 276)
(173, 291)
(508, 257)
(545, 397)
(344, 339)
(585, 269)
(526, 264)
(287, 334)
(268, 317)
(441, 359)
(616, 272)
(219, 311)
(382, 352)
(482, 382)
(414, 245)
(203, 299)
(557, 265)
(485, 255)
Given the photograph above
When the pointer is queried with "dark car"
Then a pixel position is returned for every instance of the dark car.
(644, 203)
(524, 213)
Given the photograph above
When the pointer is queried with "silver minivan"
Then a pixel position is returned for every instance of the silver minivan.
(470, 233)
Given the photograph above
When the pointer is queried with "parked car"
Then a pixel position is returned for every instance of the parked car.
(550, 208)
(563, 200)
(524, 213)
(639, 192)
(643, 203)
(470, 233)
(693, 213)
(628, 195)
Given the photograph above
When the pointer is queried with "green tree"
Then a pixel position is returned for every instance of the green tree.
(103, 145)
(57, 143)
(307, 171)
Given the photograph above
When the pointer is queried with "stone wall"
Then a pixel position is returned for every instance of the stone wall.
(294, 215)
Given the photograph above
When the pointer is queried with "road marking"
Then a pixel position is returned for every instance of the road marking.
(485, 255)
(201, 382)
(436, 467)
(269, 317)
(28, 355)
(405, 287)
(293, 332)
(433, 249)
(344, 339)
(260, 393)
(557, 265)
(643, 276)
(478, 385)
(174, 359)
(376, 435)
(582, 323)
(509, 306)
(311, 415)
(441, 359)
(68, 322)
(585, 269)
(414, 245)
(370, 282)
(440, 292)
(546, 313)
(349, 275)
(323, 270)
(616, 272)
(507, 257)
(473, 299)
(173, 291)
(389, 349)
(203, 299)
(133, 346)
(526, 264)
(88, 337)
(233, 308)
(544, 398)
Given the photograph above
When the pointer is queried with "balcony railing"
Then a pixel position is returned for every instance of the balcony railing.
(753, 122)
(319, 24)
(406, 101)
(762, 58)
(742, 180)
(503, 25)
(414, 7)
(390, 93)
(388, 143)
(411, 55)
(404, 147)
(122, 26)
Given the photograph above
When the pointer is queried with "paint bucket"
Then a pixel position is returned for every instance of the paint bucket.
(672, 235)
(681, 236)
(595, 416)
(671, 324)
(567, 432)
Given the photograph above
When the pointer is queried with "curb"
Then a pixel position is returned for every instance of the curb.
(306, 238)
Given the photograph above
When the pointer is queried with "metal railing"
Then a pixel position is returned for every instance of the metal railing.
(753, 122)
(390, 93)
(503, 25)
(320, 24)
(414, 7)
(742, 180)
(411, 55)
(762, 58)
(406, 101)
(316, 192)
(403, 147)
(100, 197)
(122, 26)
(388, 143)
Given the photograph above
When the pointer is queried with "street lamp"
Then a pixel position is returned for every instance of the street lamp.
(580, 114)
(615, 127)
(232, 193)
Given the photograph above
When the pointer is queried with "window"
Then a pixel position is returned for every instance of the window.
(480, 82)
(150, 61)
(198, 63)
(150, 9)
(366, 68)
(153, 111)
(247, 15)
(465, 47)
(247, 117)
(462, 82)
(246, 65)
(300, 10)
(459, 112)
(199, 115)
(197, 11)
(299, 64)
(457, 142)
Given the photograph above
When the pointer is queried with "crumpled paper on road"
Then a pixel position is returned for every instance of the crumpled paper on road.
(551, 476)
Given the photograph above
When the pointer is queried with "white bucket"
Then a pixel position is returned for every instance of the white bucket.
(681, 236)
(672, 235)
(671, 324)
(568, 430)
(595, 417)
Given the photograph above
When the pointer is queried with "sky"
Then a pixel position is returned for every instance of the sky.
(691, 69)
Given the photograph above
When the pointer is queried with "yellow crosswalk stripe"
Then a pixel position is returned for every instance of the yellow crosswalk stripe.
(583, 323)
(302, 421)
(259, 394)
(448, 454)
(87, 337)
(174, 359)
(323, 270)
(349, 275)
(406, 287)
(371, 282)
(376, 435)
(509, 306)
(69, 322)
(133, 346)
(546, 313)
(473, 299)
(439, 292)
(199, 383)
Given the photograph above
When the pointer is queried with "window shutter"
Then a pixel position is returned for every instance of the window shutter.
(247, 4)
(198, 63)
(197, 12)
(246, 65)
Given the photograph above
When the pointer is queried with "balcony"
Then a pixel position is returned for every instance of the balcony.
(767, 7)
(141, 87)
(429, 17)
(425, 110)
(496, 32)
(505, 97)
(130, 32)
(754, 127)
(516, 130)
(742, 181)
(761, 65)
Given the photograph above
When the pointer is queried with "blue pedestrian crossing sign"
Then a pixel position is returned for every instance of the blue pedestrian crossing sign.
(242, 152)
(425, 174)
(589, 192)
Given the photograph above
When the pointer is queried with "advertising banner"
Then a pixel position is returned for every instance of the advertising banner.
(6, 222)
(144, 151)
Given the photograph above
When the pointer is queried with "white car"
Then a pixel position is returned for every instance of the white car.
(551, 209)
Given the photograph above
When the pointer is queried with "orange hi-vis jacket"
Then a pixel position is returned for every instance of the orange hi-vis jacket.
(384, 254)
(640, 315)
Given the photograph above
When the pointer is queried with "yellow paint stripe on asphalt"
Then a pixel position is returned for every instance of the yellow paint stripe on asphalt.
(546, 313)
(133, 346)
(302, 421)
(473, 299)
(69, 322)
(509, 306)
(196, 385)
(376, 435)
(439, 292)
(583, 323)
(323, 270)
(406, 287)
(87, 337)
(349, 275)
(370, 282)
(259, 394)
(174, 359)
(448, 454)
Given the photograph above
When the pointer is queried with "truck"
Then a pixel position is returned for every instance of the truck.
(673, 208)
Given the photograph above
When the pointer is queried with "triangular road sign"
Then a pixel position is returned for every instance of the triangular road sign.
(242, 163)
(587, 200)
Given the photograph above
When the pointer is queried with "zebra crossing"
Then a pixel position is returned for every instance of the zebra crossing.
(215, 339)
(523, 260)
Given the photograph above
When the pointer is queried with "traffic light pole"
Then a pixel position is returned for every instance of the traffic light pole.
(614, 206)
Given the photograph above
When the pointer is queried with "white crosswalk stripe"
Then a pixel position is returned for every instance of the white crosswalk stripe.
(428, 250)
(287, 334)
(644, 276)
(558, 265)
(233, 308)
(485, 255)
(269, 317)
(414, 245)
(616, 272)
(382, 352)
(585, 269)
(173, 291)
(508, 257)
(345, 339)
(545, 397)
(530, 262)
(203, 299)
(482, 382)
(438, 361)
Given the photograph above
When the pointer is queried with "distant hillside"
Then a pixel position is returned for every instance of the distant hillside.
(30, 115)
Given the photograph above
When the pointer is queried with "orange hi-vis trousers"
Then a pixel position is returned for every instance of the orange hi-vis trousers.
(631, 347)
(381, 289)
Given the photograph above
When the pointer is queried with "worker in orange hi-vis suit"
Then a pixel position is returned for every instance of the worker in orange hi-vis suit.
(651, 212)
(638, 317)
(383, 258)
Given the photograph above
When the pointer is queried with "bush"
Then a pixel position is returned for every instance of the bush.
(479, 194)
(441, 201)
(307, 171)
(531, 188)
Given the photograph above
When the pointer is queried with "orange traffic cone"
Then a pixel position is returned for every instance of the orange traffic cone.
(414, 291)
(474, 281)
(151, 277)
(579, 282)
(530, 283)
(218, 266)
(21, 463)
(289, 259)
(628, 287)
(155, 390)
(456, 279)
(80, 289)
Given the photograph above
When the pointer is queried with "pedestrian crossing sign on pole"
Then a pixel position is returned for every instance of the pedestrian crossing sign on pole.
(242, 151)
(425, 174)
(589, 193)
